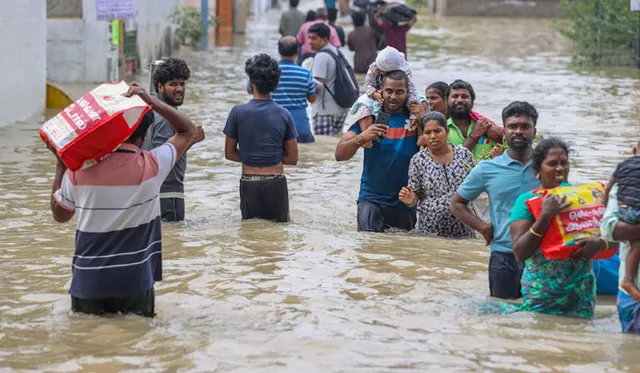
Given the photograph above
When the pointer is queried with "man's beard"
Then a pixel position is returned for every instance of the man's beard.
(519, 145)
(459, 114)
(170, 101)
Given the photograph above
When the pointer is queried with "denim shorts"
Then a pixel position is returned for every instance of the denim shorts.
(629, 214)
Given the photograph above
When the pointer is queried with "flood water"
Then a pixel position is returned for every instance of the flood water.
(315, 295)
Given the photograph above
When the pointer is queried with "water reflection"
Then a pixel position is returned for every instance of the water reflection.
(314, 294)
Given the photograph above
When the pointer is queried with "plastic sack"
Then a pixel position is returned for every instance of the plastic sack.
(398, 13)
(91, 128)
(578, 221)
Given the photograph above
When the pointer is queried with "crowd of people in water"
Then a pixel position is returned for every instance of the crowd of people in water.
(428, 159)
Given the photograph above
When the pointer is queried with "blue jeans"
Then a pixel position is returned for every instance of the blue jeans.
(375, 218)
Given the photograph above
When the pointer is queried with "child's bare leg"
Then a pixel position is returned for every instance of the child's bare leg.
(631, 267)
(364, 124)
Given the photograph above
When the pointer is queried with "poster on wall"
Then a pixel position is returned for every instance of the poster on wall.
(635, 5)
(107, 10)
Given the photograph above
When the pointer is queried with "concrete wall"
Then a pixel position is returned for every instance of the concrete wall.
(64, 8)
(78, 48)
(22, 59)
(499, 8)
(155, 32)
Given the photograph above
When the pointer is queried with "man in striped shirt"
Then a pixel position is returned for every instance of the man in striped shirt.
(296, 87)
(118, 248)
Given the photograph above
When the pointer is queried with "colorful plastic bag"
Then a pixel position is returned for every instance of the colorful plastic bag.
(91, 128)
(578, 221)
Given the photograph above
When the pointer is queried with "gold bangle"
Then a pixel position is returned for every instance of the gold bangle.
(355, 138)
(534, 232)
(606, 244)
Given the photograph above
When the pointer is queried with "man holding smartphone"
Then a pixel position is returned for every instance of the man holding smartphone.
(386, 163)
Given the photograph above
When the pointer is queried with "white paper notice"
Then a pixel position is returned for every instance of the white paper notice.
(635, 5)
(107, 10)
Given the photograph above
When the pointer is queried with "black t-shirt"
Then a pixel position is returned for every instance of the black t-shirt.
(627, 176)
(261, 127)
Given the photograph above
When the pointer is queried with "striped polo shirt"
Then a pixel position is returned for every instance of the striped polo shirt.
(118, 240)
(296, 83)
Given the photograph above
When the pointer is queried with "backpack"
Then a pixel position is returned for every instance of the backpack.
(345, 89)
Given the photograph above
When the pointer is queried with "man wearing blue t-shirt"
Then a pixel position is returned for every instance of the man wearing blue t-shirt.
(262, 136)
(386, 163)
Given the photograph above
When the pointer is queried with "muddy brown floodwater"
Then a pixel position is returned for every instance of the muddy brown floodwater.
(315, 295)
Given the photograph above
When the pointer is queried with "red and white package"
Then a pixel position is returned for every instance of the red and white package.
(91, 128)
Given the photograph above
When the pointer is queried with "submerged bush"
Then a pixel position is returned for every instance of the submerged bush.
(189, 25)
(603, 32)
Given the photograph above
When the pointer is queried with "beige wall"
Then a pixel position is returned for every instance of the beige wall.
(23, 59)
(64, 8)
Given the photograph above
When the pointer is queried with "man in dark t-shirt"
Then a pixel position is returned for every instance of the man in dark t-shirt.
(364, 41)
(262, 136)
(170, 82)
(395, 34)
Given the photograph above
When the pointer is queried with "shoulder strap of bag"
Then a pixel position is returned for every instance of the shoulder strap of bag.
(326, 88)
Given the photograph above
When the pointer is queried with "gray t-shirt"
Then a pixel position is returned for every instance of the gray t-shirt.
(158, 133)
(324, 67)
(291, 21)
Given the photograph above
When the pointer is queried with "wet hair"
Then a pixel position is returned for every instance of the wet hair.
(440, 87)
(396, 75)
(358, 19)
(332, 15)
(288, 47)
(311, 16)
(542, 150)
(461, 84)
(323, 31)
(263, 71)
(518, 108)
(171, 68)
(294, 3)
(143, 126)
(438, 117)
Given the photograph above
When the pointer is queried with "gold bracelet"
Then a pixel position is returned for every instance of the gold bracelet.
(606, 244)
(355, 138)
(534, 232)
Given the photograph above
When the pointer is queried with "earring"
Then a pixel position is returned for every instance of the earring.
(538, 175)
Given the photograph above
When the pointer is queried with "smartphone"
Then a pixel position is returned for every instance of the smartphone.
(382, 118)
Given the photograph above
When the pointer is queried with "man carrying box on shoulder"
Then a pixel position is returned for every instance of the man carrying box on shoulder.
(118, 248)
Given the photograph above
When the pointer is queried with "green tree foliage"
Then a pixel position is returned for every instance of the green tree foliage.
(189, 25)
(603, 32)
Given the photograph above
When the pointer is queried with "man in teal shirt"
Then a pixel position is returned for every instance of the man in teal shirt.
(504, 179)
(463, 130)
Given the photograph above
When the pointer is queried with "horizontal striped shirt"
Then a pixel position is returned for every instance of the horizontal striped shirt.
(118, 239)
(296, 83)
